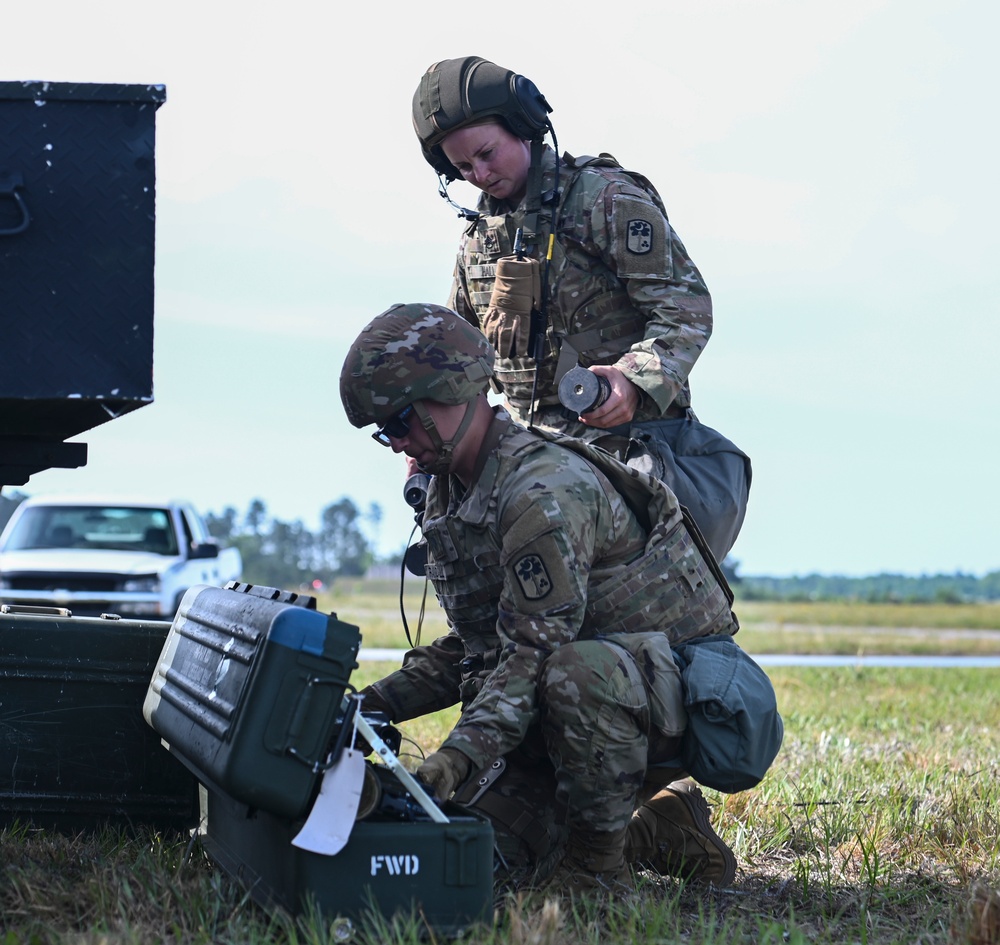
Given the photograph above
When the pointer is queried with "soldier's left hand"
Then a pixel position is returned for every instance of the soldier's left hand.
(621, 403)
(443, 771)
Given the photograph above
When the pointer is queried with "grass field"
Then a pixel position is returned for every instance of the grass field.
(878, 822)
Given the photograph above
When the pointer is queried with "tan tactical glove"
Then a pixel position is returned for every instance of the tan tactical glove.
(517, 290)
(444, 771)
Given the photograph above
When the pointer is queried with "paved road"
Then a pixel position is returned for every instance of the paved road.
(797, 659)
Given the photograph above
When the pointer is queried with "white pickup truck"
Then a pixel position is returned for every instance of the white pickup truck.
(94, 555)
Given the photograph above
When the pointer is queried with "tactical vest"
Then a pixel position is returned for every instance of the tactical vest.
(670, 587)
(590, 316)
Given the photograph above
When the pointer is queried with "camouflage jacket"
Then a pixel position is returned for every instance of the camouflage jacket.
(544, 549)
(621, 289)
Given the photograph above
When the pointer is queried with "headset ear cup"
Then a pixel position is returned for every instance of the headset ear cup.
(435, 157)
(532, 107)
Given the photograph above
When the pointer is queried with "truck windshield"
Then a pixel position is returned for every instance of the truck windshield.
(117, 528)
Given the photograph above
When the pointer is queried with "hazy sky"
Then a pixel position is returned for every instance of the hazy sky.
(831, 168)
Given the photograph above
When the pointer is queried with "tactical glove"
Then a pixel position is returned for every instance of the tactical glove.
(516, 294)
(444, 771)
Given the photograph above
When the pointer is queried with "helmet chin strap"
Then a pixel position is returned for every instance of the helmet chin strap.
(441, 464)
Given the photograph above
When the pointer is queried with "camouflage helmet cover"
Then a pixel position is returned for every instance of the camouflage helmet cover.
(419, 351)
(454, 93)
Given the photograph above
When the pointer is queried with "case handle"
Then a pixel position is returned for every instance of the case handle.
(10, 181)
(302, 711)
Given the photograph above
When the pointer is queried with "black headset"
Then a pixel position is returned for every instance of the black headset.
(529, 116)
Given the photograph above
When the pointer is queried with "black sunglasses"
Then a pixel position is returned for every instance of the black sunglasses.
(397, 426)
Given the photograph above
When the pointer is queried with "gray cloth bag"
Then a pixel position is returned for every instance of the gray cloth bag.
(707, 472)
(734, 730)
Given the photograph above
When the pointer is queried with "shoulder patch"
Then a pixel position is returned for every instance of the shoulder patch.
(533, 577)
(641, 237)
(491, 242)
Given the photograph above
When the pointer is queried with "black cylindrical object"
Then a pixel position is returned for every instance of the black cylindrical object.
(415, 491)
(581, 390)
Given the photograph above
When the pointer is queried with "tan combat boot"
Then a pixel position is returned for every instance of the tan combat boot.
(592, 864)
(671, 834)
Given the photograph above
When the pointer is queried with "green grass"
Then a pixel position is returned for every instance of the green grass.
(878, 823)
(984, 616)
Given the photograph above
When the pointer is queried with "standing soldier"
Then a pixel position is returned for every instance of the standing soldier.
(566, 578)
(573, 272)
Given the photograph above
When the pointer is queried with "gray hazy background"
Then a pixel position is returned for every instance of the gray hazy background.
(830, 166)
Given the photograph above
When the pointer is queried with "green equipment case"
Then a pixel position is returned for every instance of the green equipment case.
(247, 691)
(441, 873)
(74, 750)
(250, 693)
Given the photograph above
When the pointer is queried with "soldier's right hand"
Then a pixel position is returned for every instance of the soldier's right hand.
(443, 771)
(371, 703)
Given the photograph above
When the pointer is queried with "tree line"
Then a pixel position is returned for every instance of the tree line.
(877, 588)
(277, 553)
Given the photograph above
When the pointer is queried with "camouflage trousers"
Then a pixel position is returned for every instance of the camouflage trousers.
(588, 762)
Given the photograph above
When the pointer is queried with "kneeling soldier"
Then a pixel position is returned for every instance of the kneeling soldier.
(565, 577)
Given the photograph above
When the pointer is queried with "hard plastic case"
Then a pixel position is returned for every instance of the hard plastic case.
(441, 873)
(74, 749)
(247, 691)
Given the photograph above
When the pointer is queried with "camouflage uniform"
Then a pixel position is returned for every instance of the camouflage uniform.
(565, 577)
(621, 290)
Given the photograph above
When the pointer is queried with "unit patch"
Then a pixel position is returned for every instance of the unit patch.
(533, 577)
(640, 237)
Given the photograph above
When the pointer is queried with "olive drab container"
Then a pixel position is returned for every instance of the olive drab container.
(77, 218)
(249, 693)
(441, 872)
(74, 750)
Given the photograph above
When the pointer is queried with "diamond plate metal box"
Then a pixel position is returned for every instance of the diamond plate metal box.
(77, 214)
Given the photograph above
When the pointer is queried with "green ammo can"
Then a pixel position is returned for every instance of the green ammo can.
(74, 750)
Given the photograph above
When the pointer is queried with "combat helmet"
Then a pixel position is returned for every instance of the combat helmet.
(411, 353)
(454, 93)
(419, 351)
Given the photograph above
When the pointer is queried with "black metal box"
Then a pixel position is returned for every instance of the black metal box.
(75, 750)
(77, 211)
